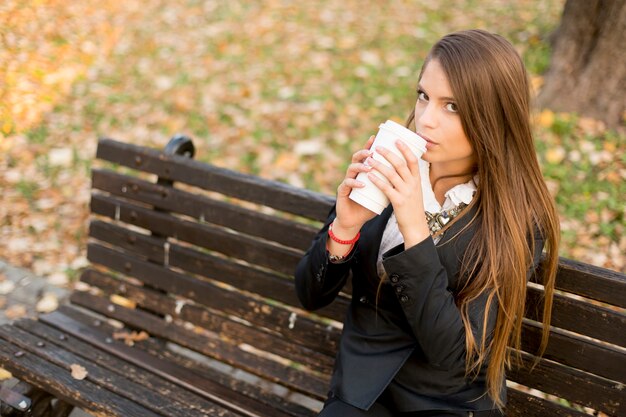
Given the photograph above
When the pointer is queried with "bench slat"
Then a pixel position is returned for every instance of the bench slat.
(579, 316)
(233, 390)
(234, 184)
(214, 347)
(296, 328)
(169, 371)
(165, 403)
(286, 232)
(245, 278)
(570, 383)
(590, 281)
(603, 360)
(235, 331)
(521, 404)
(249, 279)
(246, 248)
(119, 366)
(142, 245)
(82, 393)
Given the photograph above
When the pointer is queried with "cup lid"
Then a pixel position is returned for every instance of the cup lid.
(413, 138)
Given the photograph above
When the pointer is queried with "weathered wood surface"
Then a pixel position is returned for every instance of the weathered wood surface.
(161, 351)
(85, 394)
(273, 194)
(206, 210)
(122, 385)
(298, 329)
(521, 404)
(211, 346)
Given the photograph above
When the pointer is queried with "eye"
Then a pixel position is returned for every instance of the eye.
(421, 96)
(452, 107)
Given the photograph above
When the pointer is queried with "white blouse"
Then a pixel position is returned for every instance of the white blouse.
(462, 193)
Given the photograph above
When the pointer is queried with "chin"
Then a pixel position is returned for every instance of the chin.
(426, 157)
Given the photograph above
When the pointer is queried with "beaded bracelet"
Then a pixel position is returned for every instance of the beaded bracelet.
(343, 242)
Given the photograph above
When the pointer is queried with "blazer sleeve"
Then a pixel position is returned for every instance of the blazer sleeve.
(420, 283)
(318, 281)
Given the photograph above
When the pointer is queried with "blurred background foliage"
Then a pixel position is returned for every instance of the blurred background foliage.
(263, 87)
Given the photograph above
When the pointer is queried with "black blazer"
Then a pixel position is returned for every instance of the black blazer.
(411, 341)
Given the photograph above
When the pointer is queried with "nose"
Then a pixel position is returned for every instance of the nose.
(425, 115)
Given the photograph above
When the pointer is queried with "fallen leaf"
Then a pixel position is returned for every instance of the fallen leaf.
(58, 279)
(60, 157)
(122, 301)
(546, 118)
(130, 338)
(78, 372)
(16, 311)
(555, 155)
(4, 374)
(48, 303)
(6, 287)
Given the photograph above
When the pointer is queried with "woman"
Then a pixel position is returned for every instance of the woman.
(439, 278)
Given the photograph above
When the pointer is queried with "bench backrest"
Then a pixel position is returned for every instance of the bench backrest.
(204, 257)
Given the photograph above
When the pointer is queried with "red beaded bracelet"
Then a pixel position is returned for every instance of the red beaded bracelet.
(343, 242)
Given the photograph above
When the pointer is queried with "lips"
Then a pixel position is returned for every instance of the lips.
(429, 141)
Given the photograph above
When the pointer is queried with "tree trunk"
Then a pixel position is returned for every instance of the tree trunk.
(587, 73)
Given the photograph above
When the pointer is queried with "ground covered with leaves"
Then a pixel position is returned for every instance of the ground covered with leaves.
(286, 90)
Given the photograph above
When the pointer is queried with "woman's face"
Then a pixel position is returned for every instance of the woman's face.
(437, 120)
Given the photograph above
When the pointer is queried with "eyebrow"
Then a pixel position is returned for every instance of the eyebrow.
(419, 86)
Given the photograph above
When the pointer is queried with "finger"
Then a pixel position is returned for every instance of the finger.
(360, 155)
(356, 168)
(369, 142)
(383, 185)
(389, 173)
(398, 163)
(410, 158)
(347, 185)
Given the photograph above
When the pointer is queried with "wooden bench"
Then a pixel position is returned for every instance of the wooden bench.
(198, 262)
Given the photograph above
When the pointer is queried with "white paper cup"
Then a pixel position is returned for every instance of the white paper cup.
(389, 132)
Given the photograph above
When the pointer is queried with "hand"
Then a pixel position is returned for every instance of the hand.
(350, 215)
(404, 191)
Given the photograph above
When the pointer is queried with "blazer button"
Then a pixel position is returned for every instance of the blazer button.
(394, 278)
(399, 289)
(363, 299)
(404, 298)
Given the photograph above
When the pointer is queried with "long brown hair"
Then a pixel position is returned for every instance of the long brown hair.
(491, 89)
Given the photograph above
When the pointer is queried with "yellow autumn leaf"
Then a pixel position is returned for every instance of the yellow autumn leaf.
(555, 155)
(546, 118)
(130, 338)
(610, 147)
(536, 82)
(122, 301)
(4, 374)
(6, 127)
